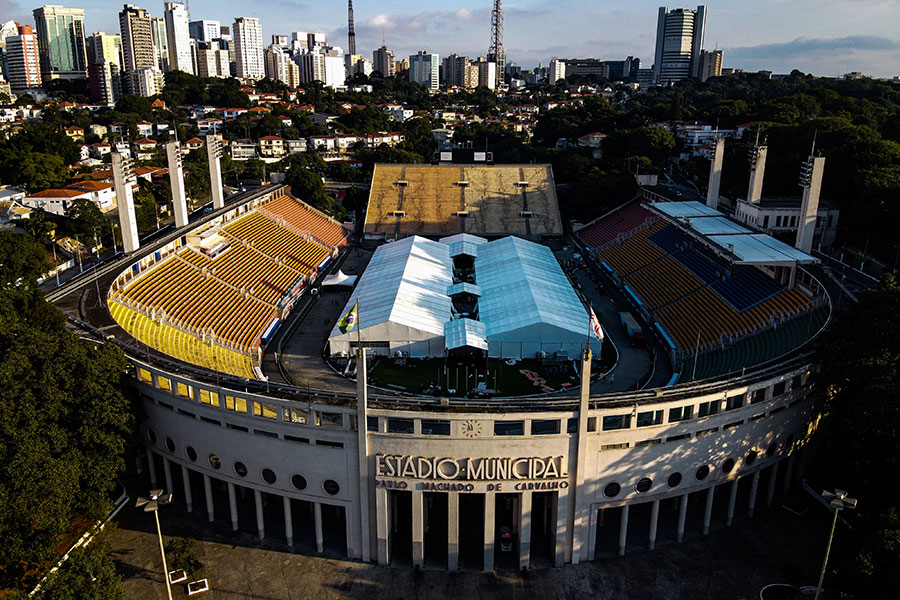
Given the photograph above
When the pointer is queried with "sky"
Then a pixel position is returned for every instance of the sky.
(823, 37)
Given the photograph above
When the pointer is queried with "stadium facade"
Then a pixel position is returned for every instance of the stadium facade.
(428, 481)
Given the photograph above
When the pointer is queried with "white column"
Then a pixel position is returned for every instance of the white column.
(381, 524)
(418, 529)
(757, 172)
(152, 468)
(707, 510)
(579, 515)
(715, 174)
(176, 182)
(732, 500)
(320, 543)
(232, 504)
(654, 521)
(489, 532)
(210, 507)
(124, 177)
(167, 470)
(788, 473)
(592, 536)
(260, 523)
(754, 487)
(362, 431)
(214, 152)
(682, 518)
(186, 478)
(525, 531)
(809, 205)
(623, 530)
(452, 532)
(289, 521)
(773, 478)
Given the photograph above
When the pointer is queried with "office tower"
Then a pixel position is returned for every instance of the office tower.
(323, 64)
(456, 69)
(496, 53)
(557, 71)
(279, 40)
(679, 39)
(137, 39)
(710, 64)
(205, 31)
(486, 73)
(105, 67)
(248, 48)
(213, 61)
(351, 32)
(23, 61)
(280, 66)
(383, 61)
(105, 47)
(424, 69)
(160, 42)
(316, 40)
(357, 63)
(61, 43)
(178, 37)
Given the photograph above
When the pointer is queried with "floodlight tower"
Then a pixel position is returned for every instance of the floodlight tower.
(351, 34)
(811, 182)
(124, 179)
(176, 179)
(715, 174)
(496, 53)
(757, 171)
(214, 152)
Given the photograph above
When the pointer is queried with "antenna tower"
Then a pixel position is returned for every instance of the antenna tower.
(351, 34)
(495, 52)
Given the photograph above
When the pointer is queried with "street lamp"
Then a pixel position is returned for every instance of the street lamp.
(151, 504)
(837, 500)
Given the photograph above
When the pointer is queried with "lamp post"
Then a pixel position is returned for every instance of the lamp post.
(839, 499)
(152, 504)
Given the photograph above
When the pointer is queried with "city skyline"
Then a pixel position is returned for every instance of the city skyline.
(841, 36)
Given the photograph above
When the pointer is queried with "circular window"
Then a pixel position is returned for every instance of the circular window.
(298, 481)
(673, 480)
(331, 486)
(241, 469)
(214, 461)
(151, 435)
(643, 485)
(702, 472)
(268, 476)
(170, 445)
(612, 490)
(751, 457)
(191, 453)
(728, 465)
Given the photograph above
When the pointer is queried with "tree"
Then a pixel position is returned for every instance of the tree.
(180, 553)
(39, 171)
(63, 419)
(85, 217)
(88, 574)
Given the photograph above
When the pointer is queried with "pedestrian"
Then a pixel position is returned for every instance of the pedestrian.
(612, 378)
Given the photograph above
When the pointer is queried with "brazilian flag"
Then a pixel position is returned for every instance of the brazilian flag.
(348, 321)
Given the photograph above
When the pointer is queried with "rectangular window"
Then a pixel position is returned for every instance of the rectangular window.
(236, 404)
(163, 383)
(732, 425)
(184, 391)
(435, 427)
(299, 440)
(166, 405)
(703, 432)
(758, 396)
(572, 425)
(592, 424)
(796, 382)
(647, 442)
(509, 427)
(328, 444)
(778, 221)
(620, 446)
(372, 423)
(765, 222)
(208, 397)
(616, 422)
(296, 415)
(757, 417)
(545, 427)
(327, 419)
(145, 375)
(779, 389)
(680, 413)
(265, 433)
(775, 411)
(651, 417)
(675, 438)
(267, 411)
(237, 427)
(708, 408)
(400, 426)
(734, 402)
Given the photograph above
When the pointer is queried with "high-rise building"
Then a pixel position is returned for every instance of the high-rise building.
(679, 39)
(147, 81)
(105, 67)
(248, 48)
(23, 61)
(280, 66)
(487, 73)
(160, 42)
(60, 35)
(710, 64)
(137, 38)
(178, 37)
(557, 71)
(424, 69)
(323, 64)
(456, 69)
(105, 47)
(205, 31)
(357, 63)
(383, 61)
(213, 61)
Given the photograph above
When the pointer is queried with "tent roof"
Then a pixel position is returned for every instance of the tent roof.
(339, 278)
(465, 332)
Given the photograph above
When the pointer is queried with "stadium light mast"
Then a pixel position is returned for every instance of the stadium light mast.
(838, 500)
(495, 51)
(152, 504)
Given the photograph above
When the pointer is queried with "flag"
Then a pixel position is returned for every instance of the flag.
(595, 326)
(348, 321)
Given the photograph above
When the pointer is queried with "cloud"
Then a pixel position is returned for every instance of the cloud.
(873, 55)
(801, 46)
(12, 11)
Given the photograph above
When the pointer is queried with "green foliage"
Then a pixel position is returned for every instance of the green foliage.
(309, 187)
(63, 418)
(181, 554)
(34, 144)
(39, 171)
(89, 574)
(85, 218)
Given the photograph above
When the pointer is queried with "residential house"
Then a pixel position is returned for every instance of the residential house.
(271, 146)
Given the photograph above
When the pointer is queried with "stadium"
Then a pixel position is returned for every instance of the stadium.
(258, 416)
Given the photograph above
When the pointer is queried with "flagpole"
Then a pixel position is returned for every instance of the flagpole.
(591, 306)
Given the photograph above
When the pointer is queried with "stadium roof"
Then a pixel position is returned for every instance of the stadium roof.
(522, 284)
(435, 200)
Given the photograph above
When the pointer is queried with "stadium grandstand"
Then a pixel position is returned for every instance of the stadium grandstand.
(213, 297)
(486, 200)
(707, 283)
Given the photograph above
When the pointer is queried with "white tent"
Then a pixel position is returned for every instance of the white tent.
(339, 279)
